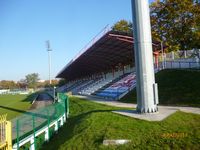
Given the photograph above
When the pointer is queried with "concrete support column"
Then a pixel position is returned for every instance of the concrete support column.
(46, 136)
(146, 88)
(56, 126)
(32, 142)
(64, 117)
(61, 121)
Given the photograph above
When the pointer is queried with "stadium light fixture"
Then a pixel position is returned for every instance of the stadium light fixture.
(147, 93)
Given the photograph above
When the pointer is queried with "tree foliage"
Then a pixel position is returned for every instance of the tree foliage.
(174, 22)
(62, 82)
(123, 26)
(5, 84)
(22, 84)
(177, 23)
(32, 79)
(46, 84)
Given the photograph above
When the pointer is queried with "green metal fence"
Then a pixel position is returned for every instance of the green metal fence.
(33, 128)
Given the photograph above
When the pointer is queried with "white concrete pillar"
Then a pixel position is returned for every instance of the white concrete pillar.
(46, 136)
(64, 117)
(146, 87)
(61, 121)
(32, 142)
(56, 126)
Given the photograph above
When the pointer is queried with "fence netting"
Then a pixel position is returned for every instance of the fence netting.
(32, 121)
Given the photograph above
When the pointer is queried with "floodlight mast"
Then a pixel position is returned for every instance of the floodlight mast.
(147, 93)
(49, 59)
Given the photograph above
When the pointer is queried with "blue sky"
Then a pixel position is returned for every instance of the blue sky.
(25, 25)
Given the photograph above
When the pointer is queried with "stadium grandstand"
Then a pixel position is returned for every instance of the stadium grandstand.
(104, 68)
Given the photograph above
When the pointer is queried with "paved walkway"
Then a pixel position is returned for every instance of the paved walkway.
(42, 101)
(163, 111)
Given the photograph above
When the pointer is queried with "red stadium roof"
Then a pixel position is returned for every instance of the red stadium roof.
(112, 49)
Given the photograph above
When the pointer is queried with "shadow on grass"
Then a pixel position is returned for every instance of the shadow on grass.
(30, 97)
(25, 112)
(67, 131)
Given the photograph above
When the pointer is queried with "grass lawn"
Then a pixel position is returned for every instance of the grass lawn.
(176, 87)
(14, 105)
(90, 123)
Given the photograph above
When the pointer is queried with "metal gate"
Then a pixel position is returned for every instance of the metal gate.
(5, 134)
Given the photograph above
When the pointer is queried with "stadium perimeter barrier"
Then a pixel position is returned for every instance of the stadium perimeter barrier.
(181, 65)
(32, 129)
(182, 59)
(173, 64)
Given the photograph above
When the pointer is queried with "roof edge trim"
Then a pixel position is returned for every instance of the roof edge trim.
(103, 32)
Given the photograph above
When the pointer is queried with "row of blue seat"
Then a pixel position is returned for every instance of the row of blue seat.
(118, 88)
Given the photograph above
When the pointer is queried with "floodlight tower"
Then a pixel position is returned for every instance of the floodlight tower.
(147, 94)
(49, 59)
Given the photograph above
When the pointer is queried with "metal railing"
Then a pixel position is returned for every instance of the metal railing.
(178, 65)
(182, 54)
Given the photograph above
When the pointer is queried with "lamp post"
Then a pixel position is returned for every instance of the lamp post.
(54, 93)
(49, 59)
(147, 96)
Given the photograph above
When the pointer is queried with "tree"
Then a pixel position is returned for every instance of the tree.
(62, 82)
(176, 23)
(196, 11)
(53, 83)
(32, 79)
(22, 84)
(123, 26)
(5, 84)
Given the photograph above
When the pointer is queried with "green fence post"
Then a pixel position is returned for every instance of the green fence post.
(33, 118)
(17, 128)
(57, 115)
(56, 118)
(48, 124)
(67, 107)
(58, 97)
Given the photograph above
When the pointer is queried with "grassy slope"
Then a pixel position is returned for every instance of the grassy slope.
(14, 105)
(176, 87)
(90, 123)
